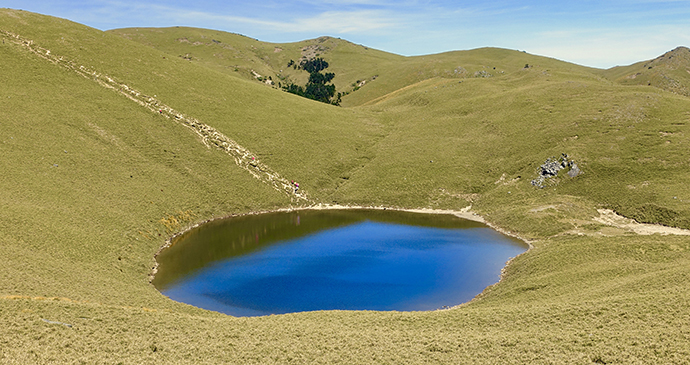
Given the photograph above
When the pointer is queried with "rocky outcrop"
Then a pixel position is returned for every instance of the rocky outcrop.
(552, 166)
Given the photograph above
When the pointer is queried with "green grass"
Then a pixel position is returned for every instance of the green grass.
(668, 71)
(93, 184)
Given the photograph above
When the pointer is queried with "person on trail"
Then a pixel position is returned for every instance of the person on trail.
(296, 187)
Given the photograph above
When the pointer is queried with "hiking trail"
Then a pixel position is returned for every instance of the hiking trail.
(209, 136)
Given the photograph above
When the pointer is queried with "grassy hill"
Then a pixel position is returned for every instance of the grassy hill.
(114, 141)
(670, 71)
(362, 73)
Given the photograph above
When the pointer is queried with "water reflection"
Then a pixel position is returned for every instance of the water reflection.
(313, 260)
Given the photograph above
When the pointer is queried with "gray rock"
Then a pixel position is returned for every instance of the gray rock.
(574, 171)
(552, 166)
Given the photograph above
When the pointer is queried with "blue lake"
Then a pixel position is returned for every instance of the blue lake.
(323, 260)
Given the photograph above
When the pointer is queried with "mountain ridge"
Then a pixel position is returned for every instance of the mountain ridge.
(670, 71)
(262, 60)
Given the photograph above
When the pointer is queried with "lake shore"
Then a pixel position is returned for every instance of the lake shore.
(465, 213)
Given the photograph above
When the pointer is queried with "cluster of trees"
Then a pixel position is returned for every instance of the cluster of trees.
(318, 87)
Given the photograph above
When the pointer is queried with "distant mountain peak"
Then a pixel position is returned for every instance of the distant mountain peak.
(674, 59)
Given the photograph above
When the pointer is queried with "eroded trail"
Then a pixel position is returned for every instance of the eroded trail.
(208, 135)
(610, 218)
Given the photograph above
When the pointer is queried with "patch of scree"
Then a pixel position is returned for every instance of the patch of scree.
(552, 166)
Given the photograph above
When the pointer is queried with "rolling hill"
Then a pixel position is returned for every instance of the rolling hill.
(670, 71)
(112, 142)
(361, 72)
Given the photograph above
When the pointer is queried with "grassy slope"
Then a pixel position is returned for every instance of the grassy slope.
(246, 111)
(238, 56)
(86, 231)
(670, 71)
(90, 170)
(383, 72)
(630, 138)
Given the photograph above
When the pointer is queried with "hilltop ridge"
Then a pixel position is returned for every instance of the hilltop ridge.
(355, 65)
(358, 67)
(670, 71)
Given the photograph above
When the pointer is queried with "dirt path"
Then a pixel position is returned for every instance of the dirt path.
(209, 136)
(610, 218)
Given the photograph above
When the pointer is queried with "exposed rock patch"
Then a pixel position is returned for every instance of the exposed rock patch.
(552, 166)
(315, 50)
(482, 73)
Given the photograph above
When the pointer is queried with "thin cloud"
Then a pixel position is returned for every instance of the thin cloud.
(340, 22)
(108, 14)
(600, 34)
(351, 2)
(606, 48)
(343, 22)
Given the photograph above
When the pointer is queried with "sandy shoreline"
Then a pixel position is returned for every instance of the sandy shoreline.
(464, 213)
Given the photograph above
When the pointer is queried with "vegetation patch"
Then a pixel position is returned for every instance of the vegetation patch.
(318, 87)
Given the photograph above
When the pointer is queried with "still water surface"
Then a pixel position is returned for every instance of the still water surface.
(318, 260)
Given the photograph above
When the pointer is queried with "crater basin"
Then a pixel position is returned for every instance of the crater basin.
(311, 260)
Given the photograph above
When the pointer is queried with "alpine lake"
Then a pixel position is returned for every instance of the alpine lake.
(355, 259)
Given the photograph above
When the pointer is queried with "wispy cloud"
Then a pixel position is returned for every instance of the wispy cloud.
(338, 22)
(340, 3)
(608, 47)
(594, 33)
(344, 22)
(322, 22)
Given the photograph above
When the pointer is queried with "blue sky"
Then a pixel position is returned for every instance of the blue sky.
(592, 33)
